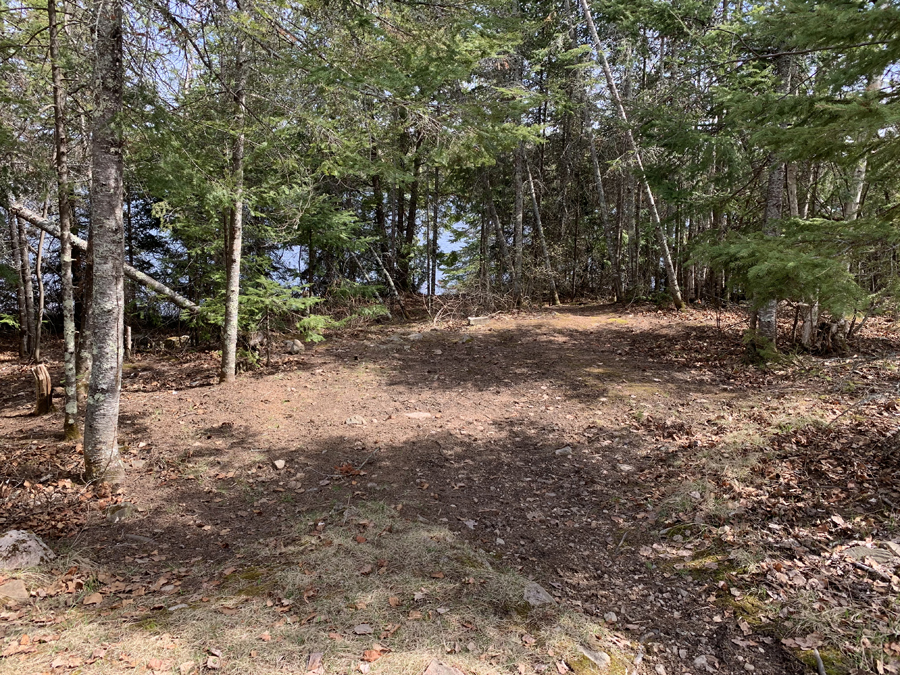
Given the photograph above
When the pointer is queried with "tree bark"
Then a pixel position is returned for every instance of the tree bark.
(41, 297)
(77, 242)
(605, 221)
(674, 288)
(540, 232)
(43, 390)
(28, 285)
(506, 261)
(64, 189)
(518, 234)
(101, 451)
(235, 230)
(20, 282)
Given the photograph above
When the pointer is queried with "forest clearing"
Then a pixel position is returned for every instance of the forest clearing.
(382, 500)
(440, 337)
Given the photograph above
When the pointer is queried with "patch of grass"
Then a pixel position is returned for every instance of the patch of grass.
(348, 579)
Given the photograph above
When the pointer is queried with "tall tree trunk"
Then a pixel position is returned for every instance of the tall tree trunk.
(540, 232)
(64, 189)
(674, 288)
(505, 261)
(20, 282)
(25, 263)
(235, 230)
(791, 178)
(767, 320)
(39, 308)
(518, 234)
(605, 221)
(434, 235)
(101, 450)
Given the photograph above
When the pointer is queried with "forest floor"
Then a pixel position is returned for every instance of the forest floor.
(385, 498)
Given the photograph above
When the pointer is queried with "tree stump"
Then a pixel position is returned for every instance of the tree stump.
(43, 390)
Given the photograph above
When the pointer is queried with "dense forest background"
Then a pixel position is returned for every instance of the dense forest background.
(683, 151)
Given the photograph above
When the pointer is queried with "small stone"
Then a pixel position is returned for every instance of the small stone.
(279, 464)
(626, 468)
(437, 352)
(478, 320)
(412, 337)
(438, 668)
(187, 668)
(19, 549)
(356, 421)
(749, 666)
(879, 555)
(701, 662)
(564, 452)
(418, 415)
(600, 659)
(610, 617)
(536, 595)
(14, 590)
(660, 669)
(294, 346)
(363, 629)
(118, 513)
(138, 464)
(175, 608)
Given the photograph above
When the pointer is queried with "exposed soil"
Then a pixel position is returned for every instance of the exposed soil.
(628, 461)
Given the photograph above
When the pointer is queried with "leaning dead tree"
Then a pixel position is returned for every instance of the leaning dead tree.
(135, 275)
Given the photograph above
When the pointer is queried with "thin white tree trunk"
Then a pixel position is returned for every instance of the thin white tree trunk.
(498, 227)
(101, 451)
(25, 262)
(39, 307)
(64, 188)
(20, 282)
(235, 230)
(605, 221)
(518, 235)
(135, 275)
(540, 233)
(671, 274)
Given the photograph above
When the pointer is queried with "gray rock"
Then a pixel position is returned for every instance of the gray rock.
(610, 617)
(600, 659)
(19, 549)
(879, 555)
(294, 346)
(279, 464)
(412, 337)
(418, 415)
(14, 590)
(438, 668)
(356, 421)
(177, 342)
(536, 595)
(120, 512)
(478, 320)
(564, 452)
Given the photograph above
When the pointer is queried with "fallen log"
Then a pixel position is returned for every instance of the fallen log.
(135, 275)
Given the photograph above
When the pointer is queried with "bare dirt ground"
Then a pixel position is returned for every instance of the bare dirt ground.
(689, 513)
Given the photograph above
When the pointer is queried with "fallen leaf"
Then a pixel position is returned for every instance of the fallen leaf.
(93, 599)
(265, 637)
(394, 601)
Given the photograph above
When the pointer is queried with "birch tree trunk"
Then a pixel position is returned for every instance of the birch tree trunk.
(615, 258)
(64, 188)
(101, 450)
(235, 230)
(39, 308)
(674, 287)
(505, 260)
(27, 285)
(518, 235)
(540, 232)
(20, 282)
